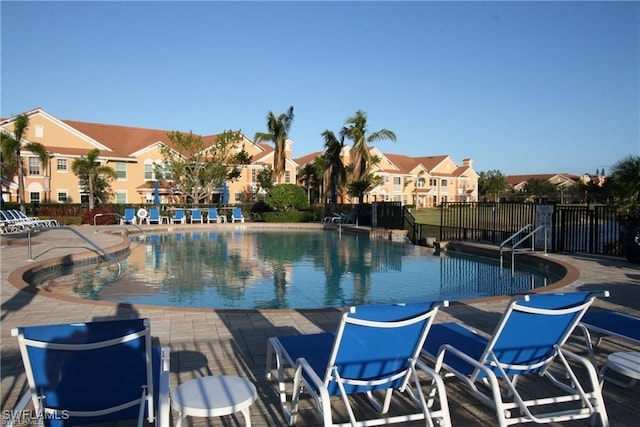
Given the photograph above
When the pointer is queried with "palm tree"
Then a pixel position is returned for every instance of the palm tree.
(625, 180)
(356, 130)
(12, 154)
(308, 178)
(278, 133)
(335, 175)
(87, 167)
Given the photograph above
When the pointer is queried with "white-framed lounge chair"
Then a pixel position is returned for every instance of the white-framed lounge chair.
(11, 224)
(129, 216)
(332, 219)
(178, 217)
(37, 222)
(212, 216)
(526, 344)
(154, 216)
(196, 216)
(374, 352)
(605, 324)
(94, 372)
(236, 215)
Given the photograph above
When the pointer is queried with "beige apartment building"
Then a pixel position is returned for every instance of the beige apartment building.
(134, 154)
(420, 181)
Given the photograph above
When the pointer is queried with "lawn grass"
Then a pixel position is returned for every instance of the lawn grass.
(426, 215)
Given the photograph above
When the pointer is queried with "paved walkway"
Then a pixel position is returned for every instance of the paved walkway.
(209, 342)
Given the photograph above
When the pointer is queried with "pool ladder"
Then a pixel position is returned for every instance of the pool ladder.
(89, 241)
(515, 245)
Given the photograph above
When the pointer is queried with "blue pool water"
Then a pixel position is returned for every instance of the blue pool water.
(294, 269)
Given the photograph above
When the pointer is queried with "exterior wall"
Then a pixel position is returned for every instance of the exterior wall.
(52, 135)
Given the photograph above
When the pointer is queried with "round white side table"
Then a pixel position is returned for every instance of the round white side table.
(214, 396)
(626, 363)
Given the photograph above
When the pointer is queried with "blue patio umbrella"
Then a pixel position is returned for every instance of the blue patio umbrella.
(156, 193)
(225, 193)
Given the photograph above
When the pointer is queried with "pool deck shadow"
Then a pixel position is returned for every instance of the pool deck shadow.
(217, 342)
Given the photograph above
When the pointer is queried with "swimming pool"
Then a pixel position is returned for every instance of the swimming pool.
(250, 269)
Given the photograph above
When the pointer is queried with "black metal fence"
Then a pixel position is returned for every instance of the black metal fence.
(582, 229)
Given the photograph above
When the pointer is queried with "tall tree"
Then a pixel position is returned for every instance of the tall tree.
(198, 167)
(308, 179)
(335, 174)
(88, 168)
(625, 182)
(277, 132)
(356, 130)
(492, 184)
(12, 155)
(540, 187)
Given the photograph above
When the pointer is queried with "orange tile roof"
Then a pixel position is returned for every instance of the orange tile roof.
(125, 140)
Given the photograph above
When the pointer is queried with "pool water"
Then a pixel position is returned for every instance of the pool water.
(287, 269)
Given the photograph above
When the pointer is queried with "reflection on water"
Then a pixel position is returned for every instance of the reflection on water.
(297, 269)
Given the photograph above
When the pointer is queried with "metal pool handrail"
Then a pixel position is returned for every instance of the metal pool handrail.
(111, 214)
(516, 244)
(89, 241)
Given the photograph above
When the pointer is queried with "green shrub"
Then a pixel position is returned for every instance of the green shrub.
(286, 197)
(290, 216)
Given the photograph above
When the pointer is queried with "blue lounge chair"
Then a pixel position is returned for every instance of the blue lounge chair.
(154, 216)
(236, 215)
(375, 349)
(607, 324)
(94, 372)
(129, 216)
(178, 217)
(212, 216)
(528, 341)
(196, 216)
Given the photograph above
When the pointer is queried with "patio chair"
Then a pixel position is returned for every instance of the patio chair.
(95, 372)
(212, 216)
(34, 220)
(527, 343)
(129, 216)
(196, 216)
(375, 350)
(10, 224)
(236, 215)
(178, 217)
(154, 216)
(609, 324)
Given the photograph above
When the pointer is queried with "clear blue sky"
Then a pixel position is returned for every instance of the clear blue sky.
(521, 87)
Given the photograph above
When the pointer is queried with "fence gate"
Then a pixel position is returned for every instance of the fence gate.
(580, 229)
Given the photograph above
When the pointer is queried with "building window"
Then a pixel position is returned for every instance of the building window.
(443, 183)
(287, 176)
(148, 172)
(167, 172)
(34, 166)
(62, 165)
(39, 131)
(121, 197)
(34, 197)
(420, 183)
(121, 170)
(63, 197)
(254, 175)
(238, 196)
(433, 182)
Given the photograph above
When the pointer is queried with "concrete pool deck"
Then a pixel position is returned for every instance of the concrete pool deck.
(215, 342)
